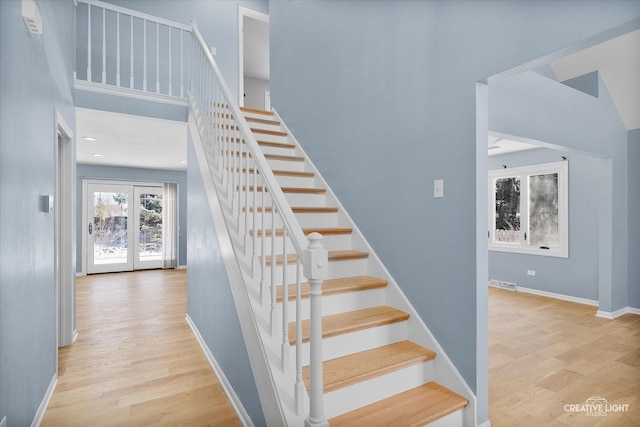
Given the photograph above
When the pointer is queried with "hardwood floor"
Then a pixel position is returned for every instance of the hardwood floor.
(545, 354)
(136, 362)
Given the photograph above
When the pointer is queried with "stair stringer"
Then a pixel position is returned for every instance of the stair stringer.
(258, 358)
(445, 372)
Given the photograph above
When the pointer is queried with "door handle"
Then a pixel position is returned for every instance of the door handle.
(90, 228)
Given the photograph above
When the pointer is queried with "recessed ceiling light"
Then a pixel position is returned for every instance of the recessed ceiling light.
(183, 162)
(90, 138)
(96, 155)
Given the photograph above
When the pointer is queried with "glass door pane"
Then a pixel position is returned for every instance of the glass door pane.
(109, 237)
(148, 248)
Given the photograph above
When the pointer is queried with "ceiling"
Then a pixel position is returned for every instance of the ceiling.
(130, 141)
(618, 64)
(256, 48)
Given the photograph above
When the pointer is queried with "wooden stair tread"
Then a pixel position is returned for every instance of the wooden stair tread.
(365, 365)
(351, 321)
(276, 144)
(269, 132)
(301, 190)
(416, 407)
(333, 256)
(286, 158)
(334, 286)
(262, 121)
(256, 111)
(325, 231)
(299, 209)
(279, 172)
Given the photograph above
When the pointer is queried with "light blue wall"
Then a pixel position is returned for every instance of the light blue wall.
(634, 214)
(574, 276)
(134, 174)
(216, 20)
(382, 97)
(209, 301)
(35, 80)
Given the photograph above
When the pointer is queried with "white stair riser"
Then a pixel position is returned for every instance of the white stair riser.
(338, 303)
(367, 392)
(331, 242)
(286, 165)
(303, 199)
(306, 220)
(281, 151)
(257, 115)
(271, 138)
(366, 339)
(454, 419)
(296, 181)
(337, 269)
(269, 126)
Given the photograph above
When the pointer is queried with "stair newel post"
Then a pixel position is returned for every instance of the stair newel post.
(315, 269)
(300, 390)
(284, 348)
(274, 313)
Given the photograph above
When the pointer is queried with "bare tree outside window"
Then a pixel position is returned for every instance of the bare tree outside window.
(507, 210)
(543, 210)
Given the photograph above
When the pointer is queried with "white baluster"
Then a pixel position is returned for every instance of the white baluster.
(88, 42)
(157, 57)
(247, 240)
(131, 81)
(144, 55)
(104, 48)
(263, 256)
(285, 347)
(181, 65)
(170, 61)
(255, 265)
(315, 269)
(274, 313)
(300, 392)
(118, 49)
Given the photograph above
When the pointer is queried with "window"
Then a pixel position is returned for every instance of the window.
(528, 210)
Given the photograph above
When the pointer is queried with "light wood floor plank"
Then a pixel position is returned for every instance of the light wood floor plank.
(136, 361)
(546, 353)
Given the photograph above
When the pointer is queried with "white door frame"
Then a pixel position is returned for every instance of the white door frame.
(242, 13)
(65, 232)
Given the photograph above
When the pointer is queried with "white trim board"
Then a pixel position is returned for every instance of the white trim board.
(253, 14)
(224, 382)
(37, 419)
(615, 314)
(563, 297)
(485, 424)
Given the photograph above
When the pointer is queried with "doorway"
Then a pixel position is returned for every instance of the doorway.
(253, 56)
(124, 228)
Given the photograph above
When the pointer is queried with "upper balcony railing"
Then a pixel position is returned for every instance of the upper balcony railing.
(120, 50)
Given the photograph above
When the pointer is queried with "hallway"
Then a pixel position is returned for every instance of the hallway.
(136, 361)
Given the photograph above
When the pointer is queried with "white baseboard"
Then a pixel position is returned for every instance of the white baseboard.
(485, 424)
(37, 419)
(233, 397)
(615, 314)
(80, 274)
(181, 267)
(558, 296)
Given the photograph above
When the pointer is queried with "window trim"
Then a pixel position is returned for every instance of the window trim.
(523, 172)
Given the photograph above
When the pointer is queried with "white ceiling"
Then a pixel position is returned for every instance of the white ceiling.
(618, 63)
(130, 141)
(256, 48)
(499, 145)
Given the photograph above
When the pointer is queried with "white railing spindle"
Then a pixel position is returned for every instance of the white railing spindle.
(144, 55)
(118, 49)
(170, 90)
(88, 42)
(104, 47)
(300, 390)
(284, 348)
(157, 57)
(273, 313)
(131, 63)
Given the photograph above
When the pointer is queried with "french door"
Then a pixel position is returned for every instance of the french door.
(124, 227)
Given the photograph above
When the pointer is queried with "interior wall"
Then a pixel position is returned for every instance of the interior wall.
(209, 300)
(634, 224)
(35, 82)
(576, 276)
(134, 174)
(394, 89)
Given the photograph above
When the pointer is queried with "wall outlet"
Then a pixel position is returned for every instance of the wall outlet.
(531, 272)
(3, 423)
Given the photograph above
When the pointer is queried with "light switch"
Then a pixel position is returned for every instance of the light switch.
(438, 188)
(47, 203)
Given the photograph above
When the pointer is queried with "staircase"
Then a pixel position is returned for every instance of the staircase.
(374, 373)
